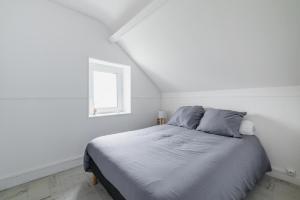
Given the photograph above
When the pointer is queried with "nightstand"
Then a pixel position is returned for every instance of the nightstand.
(161, 121)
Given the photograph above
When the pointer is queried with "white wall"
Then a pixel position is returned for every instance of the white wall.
(274, 111)
(44, 124)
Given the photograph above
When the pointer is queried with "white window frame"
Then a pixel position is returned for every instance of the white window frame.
(123, 87)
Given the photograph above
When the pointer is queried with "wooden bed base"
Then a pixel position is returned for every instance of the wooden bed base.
(94, 180)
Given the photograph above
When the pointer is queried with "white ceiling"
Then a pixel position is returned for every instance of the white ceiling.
(113, 13)
(194, 45)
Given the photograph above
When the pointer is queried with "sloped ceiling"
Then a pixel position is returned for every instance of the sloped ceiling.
(195, 45)
(113, 13)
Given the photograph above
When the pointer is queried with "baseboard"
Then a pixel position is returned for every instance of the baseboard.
(40, 172)
(281, 174)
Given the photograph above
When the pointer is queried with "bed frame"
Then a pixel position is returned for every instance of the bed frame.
(114, 192)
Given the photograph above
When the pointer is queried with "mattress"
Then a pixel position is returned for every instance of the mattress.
(174, 163)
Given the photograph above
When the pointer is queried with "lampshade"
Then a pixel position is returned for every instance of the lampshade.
(162, 114)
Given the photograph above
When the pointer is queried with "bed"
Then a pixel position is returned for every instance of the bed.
(168, 162)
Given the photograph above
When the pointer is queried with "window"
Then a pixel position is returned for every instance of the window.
(109, 88)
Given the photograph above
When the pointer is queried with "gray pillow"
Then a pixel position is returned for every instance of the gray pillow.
(187, 116)
(221, 122)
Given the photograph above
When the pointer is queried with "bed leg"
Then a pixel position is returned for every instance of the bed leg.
(94, 180)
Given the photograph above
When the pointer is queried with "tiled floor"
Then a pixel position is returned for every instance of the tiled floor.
(74, 184)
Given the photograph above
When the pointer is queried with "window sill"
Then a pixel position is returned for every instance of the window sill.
(109, 114)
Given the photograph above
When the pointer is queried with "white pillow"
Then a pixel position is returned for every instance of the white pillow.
(247, 127)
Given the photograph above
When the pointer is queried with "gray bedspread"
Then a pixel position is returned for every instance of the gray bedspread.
(173, 163)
